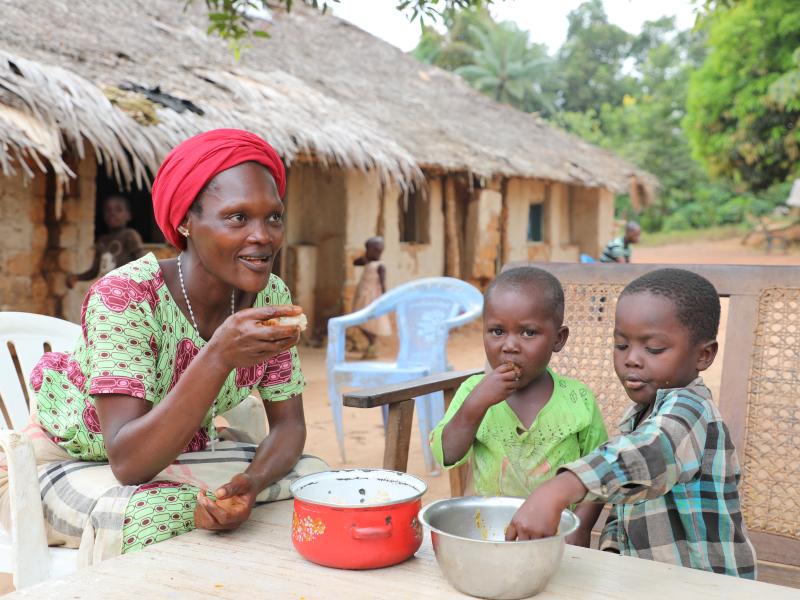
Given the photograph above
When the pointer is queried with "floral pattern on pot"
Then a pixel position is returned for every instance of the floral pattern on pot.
(306, 529)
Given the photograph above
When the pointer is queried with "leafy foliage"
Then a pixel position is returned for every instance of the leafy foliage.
(496, 58)
(713, 112)
(592, 58)
(619, 91)
(744, 102)
(230, 19)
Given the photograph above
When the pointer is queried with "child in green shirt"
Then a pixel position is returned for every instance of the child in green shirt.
(522, 421)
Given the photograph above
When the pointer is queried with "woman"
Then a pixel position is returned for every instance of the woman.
(166, 346)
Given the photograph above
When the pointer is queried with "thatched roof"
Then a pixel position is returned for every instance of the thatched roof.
(319, 88)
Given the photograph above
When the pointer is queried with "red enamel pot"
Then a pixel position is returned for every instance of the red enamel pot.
(357, 518)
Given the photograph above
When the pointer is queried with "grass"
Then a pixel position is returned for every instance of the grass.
(687, 236)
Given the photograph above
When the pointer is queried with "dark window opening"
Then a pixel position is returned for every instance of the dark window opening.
(535, 223)
(142, 218)
(414, 212)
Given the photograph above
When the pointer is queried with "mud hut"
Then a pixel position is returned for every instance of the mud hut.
(94, 94)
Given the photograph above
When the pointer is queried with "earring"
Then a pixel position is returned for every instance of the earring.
(183, 231)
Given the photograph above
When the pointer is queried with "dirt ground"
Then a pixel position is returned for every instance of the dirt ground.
(364, 428)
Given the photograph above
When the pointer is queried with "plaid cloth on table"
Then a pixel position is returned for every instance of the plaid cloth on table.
(84, 505)
(673, 481)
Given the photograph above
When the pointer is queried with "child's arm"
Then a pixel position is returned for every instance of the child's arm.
(540, 514)
(135, 244)
(459, 433)
(647, 463)
(360, 261)
(86, 275)
(382, 277)
(451, 457)
(588, 512)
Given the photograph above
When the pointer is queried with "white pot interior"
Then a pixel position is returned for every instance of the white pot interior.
(358, 488)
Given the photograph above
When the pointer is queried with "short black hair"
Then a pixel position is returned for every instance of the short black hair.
(696, 300)
(531, 278)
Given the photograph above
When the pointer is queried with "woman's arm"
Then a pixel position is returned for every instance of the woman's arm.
(142, 439)
(282, 448)
(277, 454)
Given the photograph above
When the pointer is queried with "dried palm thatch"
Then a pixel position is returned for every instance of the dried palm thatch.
(317, 88)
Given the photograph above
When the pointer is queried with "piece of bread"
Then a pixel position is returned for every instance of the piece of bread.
(296, 321)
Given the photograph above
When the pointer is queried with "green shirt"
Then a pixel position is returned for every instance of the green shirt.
(511, 460)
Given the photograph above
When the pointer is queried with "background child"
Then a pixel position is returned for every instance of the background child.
(371, 286)
(522, 421)
(117, 247)
(672, 475)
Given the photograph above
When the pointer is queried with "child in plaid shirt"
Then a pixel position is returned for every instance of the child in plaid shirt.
(672, 476)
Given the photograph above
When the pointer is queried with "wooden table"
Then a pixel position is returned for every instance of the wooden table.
(259, 561)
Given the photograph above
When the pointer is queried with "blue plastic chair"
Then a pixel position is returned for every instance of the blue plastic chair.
(425, 310)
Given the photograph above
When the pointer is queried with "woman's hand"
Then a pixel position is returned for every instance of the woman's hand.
(243, 340)
(234, 503)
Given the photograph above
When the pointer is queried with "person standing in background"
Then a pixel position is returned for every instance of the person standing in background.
(370, 287)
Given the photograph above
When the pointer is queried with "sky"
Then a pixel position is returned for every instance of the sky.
(546, 20)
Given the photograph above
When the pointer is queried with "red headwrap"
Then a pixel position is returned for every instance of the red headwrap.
(195, 162)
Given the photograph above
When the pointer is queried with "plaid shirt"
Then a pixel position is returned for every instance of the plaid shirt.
(673, 482)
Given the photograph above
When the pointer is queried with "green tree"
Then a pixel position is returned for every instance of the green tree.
(496, 58)
(645, 126)
(229, 18)
(591, 60)
(743, 109)
(508, 68)
(456, 46)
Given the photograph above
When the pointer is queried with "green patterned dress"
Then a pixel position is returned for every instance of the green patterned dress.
(137, 342)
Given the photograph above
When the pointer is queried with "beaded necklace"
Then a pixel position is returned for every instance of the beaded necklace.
(197, 329)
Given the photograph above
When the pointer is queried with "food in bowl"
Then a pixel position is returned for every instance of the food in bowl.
(357, 518)
(468, 536)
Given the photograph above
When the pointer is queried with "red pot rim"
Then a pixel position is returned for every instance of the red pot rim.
(414, 483)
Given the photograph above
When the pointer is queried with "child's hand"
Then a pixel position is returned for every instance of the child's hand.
(497, 385)
(234, 502)
(540, 515)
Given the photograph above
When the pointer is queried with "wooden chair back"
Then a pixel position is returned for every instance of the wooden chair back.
(759, 395)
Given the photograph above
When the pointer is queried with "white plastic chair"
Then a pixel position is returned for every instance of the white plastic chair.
(425, 310)
(24, 551)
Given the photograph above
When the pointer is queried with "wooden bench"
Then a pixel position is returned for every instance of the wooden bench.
(759, 395)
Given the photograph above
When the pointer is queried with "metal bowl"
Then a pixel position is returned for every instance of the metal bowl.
(468, 536)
